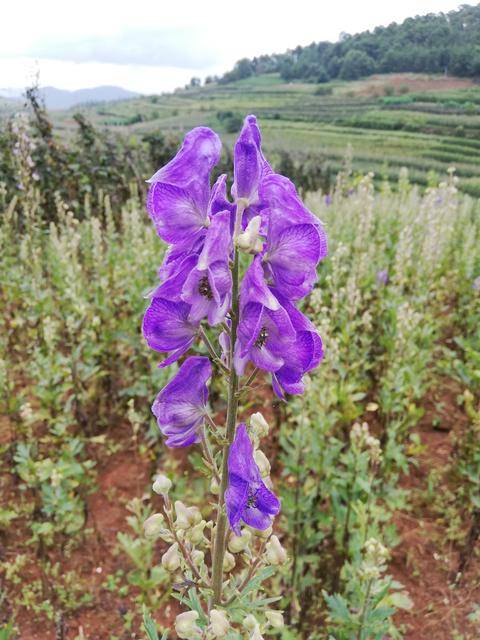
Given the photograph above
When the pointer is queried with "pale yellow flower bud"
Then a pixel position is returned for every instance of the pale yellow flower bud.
(275, 619)
(198, 557)
(275, 553)
(262, 533)
(249, 240)
(250, 623)
(214, 486)
(153, 525)
(236, 544)
(162, 485)
(219, 624)
(262, 463)
(195, 534)
(186, 516)
(259, 425)
(171, 558)
(185, 626)
(228, 562)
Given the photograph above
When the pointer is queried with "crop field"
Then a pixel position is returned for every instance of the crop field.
(106, 533)
(426, 123)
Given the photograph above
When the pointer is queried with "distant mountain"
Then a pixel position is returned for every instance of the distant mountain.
(62, 99)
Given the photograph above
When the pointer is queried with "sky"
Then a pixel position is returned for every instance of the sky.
(153, 46)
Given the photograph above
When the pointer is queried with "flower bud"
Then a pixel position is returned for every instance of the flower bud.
(219, 624)
(262, 463)
(185, 626)
(249, 241)
(162, 484)
(171, 558)
(153, 525)
(250, 623)
(214, 486)
(263, 534)
(198, 557)
(275, 553)
(195, 534)
(275, 619)
(186, 516)
(236, 544)
(256, 635)
(259, 425)
(228, 561)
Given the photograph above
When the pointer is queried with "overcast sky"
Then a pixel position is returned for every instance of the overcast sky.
(153, 45)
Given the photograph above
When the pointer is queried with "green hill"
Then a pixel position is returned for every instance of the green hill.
(446, 43)
(426, 123)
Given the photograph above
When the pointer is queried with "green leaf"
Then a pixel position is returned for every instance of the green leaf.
(150, 626)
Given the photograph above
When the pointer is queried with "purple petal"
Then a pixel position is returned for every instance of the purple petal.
(199, 153)
(180, 405)
(250, 165)
(166, 326)
(266, 505)
(175, 213)
(240, 459)
(255, 289)
(236, 499)
(292, 257)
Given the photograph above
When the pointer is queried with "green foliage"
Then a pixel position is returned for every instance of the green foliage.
(432, 43)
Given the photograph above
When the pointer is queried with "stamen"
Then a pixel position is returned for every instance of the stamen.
(204, 288)
(262, 337)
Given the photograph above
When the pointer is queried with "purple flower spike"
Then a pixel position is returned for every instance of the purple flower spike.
(247, 498)
(166, 327)
(180, 405)
(180, 191)
(208, 286)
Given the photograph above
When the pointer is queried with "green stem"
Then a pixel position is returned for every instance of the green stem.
(364, 610)
(232, 408)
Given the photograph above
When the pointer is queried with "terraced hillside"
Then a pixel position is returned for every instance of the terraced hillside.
(426, 123)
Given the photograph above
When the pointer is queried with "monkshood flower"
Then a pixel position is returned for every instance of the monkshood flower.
(208, 286)
(247, 498)
(250, 169)
(181, 405)
(305, 356)
(265, 332)
(274, 334)
(296, 240)
(167, 328)
(179, 195)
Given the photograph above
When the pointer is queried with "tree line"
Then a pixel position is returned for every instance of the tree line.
(446, 43)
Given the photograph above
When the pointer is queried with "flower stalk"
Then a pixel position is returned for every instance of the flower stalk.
(232, 410)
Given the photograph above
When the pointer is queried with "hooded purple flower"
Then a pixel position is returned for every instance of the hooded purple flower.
(180, 405)
(265, 333)
(305, 356)
(250, 169)
(166, 327)
(247, 498)
(296, 240)
(208, 285)
(179, 195)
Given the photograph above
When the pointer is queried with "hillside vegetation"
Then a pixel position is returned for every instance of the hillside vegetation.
(425, 123)
(435, 43)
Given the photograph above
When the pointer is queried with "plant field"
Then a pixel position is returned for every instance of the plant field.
(427, 123)
(377, 464)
